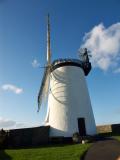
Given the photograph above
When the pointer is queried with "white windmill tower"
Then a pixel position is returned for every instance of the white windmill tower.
(64, 86)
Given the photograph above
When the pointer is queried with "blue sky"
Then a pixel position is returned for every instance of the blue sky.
(23, 50)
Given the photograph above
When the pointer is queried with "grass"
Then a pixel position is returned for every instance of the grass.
(117, 137)
(66, 152)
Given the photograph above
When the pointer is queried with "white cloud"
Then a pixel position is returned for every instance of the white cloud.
(5, 123)
(12, 88)
(11, 124)
(104, 44)
(35, 63)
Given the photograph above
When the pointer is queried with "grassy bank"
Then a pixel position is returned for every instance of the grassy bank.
(66, 152)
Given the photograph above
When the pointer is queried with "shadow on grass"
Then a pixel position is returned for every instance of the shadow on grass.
(111, 135)
(4, 155)
(39, 146)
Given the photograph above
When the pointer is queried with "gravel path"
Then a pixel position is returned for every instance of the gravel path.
(104, 150)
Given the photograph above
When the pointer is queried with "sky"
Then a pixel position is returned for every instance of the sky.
(75, 24)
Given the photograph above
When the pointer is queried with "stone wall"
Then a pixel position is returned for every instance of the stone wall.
(114, 128)
(104, 129)
(28, 136)
(36, 136)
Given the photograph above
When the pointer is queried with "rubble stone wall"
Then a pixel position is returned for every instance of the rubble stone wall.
(114, 128)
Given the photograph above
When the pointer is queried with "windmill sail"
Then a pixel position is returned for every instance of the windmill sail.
(48, 42)
(44, 89)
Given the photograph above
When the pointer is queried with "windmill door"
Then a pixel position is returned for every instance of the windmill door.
(81, 126)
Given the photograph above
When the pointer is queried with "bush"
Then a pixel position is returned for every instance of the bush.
(3, 136)
(76, 138)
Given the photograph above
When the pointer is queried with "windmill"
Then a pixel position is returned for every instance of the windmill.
(64, 86)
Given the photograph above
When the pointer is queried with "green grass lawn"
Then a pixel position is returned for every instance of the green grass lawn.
(117, 137)
(66, 152)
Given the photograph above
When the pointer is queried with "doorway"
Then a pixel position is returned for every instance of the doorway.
(81, 126)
